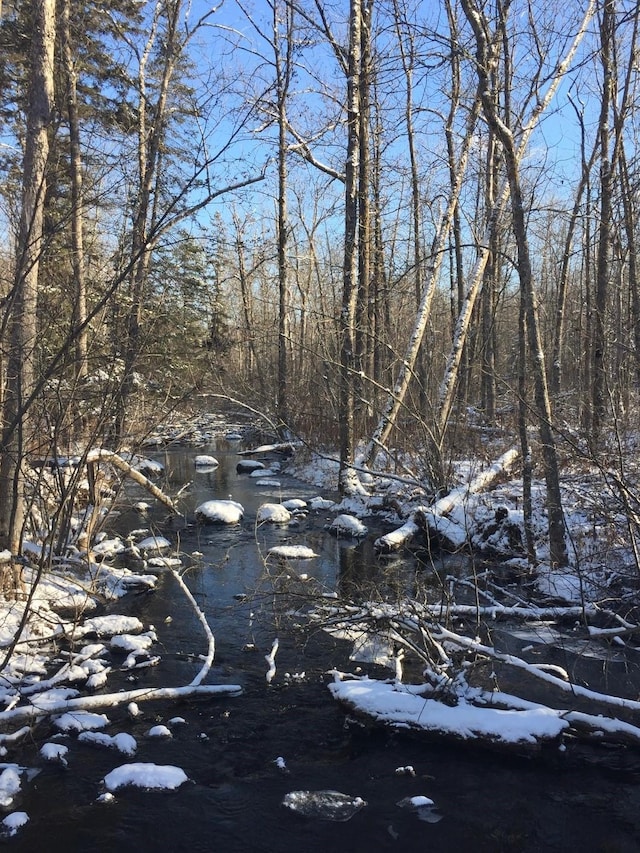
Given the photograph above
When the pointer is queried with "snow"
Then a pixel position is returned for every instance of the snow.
(295, 504)
(122, 742)
(204, 461)
(320, 503)
(220, 511)
(132, 642)
(151, 777)
(107, 626)
(164, 563)
(80, 721)
(159, 731)
(270, 513)
(403, 707)
(54, 752)
(348, 525)
(9, 785)
(153, 545)
(13, 822)
(292, 552)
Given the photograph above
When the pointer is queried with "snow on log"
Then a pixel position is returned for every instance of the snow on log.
(26, 713)
(402, 706)
(451, 532)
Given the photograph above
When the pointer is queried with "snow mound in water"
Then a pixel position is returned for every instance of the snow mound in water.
(204, 461)
(273, 514)
(153, 777)
(347, 525)
(292, 552)
(220, 512)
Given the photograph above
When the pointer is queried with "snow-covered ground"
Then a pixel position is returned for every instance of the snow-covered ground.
(482, 514)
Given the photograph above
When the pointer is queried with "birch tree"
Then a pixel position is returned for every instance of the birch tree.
(512, 157)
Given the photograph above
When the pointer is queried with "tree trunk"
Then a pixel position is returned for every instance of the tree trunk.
(17, 426)
(77, 209)
(347, 478)
(557, 543)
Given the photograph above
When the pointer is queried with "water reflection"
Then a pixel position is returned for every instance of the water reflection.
(229, 748)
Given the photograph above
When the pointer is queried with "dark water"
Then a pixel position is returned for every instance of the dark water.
(586, 800)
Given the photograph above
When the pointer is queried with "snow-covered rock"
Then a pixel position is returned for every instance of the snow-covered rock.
(292, 552)
(154, 545)
(80, 721)
(152, 777)
(272, 514)
(347, 525)
(320, 503)
(204, 461)
(295, 504)
(220, 512)
(122, 742)
(246, 466)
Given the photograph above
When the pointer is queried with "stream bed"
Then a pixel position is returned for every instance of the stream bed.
(243, 755)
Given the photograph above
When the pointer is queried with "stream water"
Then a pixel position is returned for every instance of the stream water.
(586, 800)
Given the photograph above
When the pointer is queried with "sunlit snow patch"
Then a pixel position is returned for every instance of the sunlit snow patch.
(319, 503)
(9, 785)
(107, 626)
(273, 514)
(159, 731)
(326, 805)
(295, 504)
(154, 545)
(292, 552)
(123, 742)
(347, 525)
(152, 777)
(13, 822)
(220, 512)
(205, 462)
(80, 721)
(55, 753)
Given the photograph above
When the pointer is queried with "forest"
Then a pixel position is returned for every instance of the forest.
(401, 234)
(381, 248)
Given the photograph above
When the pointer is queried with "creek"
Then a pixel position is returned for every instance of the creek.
(585, 799)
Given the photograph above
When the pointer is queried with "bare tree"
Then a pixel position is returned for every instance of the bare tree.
(22, 328)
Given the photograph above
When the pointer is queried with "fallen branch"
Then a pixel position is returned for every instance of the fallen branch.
(102, 455)
(30, 713)
(211, 642)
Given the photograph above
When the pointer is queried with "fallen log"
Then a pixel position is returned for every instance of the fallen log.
(100, 454)
(435, 519)
(32, 712)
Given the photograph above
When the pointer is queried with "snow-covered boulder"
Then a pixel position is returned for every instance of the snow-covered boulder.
(152, 777)
(347, 525)
(292, 552)
(273, 514)
(246, 466)
(205, 462)
(220, 512)
(295, 505)
(319, 503)
(154, 545)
